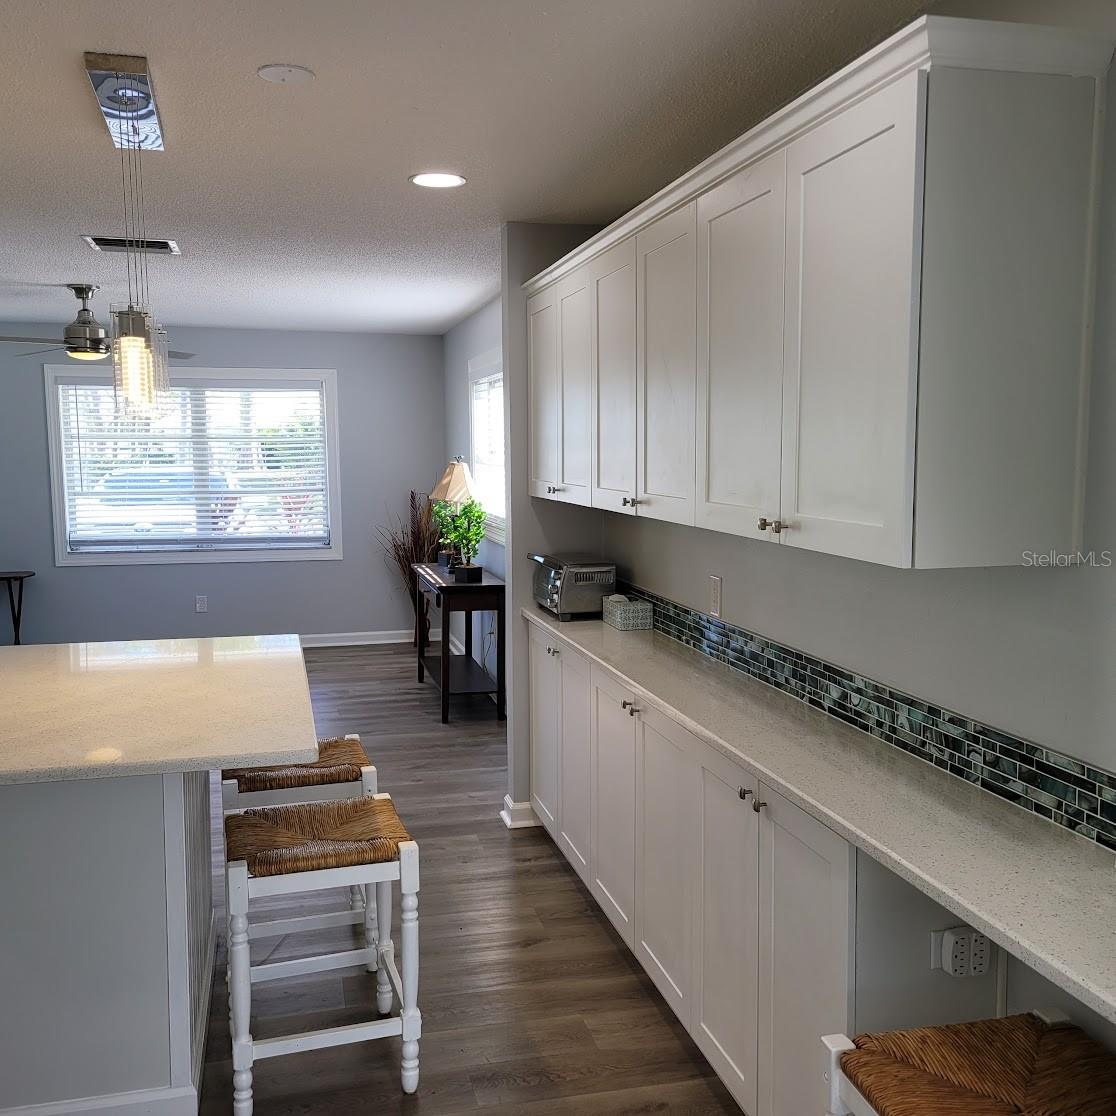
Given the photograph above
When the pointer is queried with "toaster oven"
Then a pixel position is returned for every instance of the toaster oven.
(572, 585)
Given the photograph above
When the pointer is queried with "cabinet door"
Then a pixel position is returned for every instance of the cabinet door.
(666, 257)
(614, 378)
(854, 203)
(805, 876)
(667, 787)
(575, 382)
(542, 392)
(575, 762)
(740, 229)
(545, 692)
(614, 754)
(726, 936)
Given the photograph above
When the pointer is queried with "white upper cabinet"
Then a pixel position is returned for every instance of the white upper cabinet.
(863, 328)
(853, 208)
(666, 261)
(740, 228)
(613, 283)
(542, 390)
(575, 382)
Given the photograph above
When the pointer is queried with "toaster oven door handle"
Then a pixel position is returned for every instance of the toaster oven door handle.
(545, 560)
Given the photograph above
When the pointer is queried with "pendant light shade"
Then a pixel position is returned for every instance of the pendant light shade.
(456, 485)
(139, 343)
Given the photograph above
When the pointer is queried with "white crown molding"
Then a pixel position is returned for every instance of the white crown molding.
(929, 41)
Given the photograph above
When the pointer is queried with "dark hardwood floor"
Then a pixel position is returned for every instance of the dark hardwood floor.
(530, 1001)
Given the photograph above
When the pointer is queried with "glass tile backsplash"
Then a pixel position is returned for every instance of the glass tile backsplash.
(1055, 786)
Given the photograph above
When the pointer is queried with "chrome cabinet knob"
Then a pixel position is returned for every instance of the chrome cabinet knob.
(743, 792)
(764, 523)
(626, 704)
(779, 526)
(757, 805)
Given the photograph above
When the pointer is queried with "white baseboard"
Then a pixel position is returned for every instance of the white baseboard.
(518, 815)
(355, 639)
(182, 1101)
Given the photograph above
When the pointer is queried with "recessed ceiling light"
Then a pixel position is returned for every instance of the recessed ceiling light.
(437, 180)
(283, 73)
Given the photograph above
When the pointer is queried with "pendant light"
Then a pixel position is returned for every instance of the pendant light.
(139, 347)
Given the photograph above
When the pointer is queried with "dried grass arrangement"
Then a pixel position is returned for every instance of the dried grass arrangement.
(409, 539)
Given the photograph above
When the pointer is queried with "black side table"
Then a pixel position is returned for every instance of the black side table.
(461, 674)
(14, 580)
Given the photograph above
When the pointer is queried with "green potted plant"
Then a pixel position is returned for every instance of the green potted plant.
(466, 533)
(442, 512)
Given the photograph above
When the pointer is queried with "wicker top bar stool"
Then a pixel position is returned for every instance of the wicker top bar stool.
(314, 846)
(341, 771)
(1023, 1065)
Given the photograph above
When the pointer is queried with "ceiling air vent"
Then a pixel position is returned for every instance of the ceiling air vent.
(120, 244)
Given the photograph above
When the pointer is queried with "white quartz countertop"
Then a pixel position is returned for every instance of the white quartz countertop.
(1044, 894)
(98, 710)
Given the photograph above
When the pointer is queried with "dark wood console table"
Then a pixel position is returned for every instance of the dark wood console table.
(460, 674)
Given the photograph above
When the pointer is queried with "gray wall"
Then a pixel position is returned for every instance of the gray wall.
(475, 336)
(392, 423)
(1032, 651)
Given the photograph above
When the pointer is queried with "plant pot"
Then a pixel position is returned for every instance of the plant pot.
(468, 575)
(445, 558)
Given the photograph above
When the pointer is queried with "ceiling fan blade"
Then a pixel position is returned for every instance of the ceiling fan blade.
(39, 352)
(34, 340)
(181, 356)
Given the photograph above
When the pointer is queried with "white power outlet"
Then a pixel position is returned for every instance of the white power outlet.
(960, 951)
(201, 603)
(714, 595)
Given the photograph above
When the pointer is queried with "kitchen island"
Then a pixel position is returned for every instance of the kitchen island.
(107, 922)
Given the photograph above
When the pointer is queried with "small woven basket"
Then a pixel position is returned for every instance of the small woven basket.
(628, 616)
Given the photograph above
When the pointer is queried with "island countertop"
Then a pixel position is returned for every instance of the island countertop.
(102, 710)
(1043, 893)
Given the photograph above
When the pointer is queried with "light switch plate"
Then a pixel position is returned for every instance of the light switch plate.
(714, 595)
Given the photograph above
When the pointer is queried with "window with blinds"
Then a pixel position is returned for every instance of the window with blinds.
(223, 467)
(487, 432)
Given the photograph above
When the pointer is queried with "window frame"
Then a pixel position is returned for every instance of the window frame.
(488, 366)
(325, 378)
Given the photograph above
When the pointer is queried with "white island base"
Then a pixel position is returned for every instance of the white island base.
(106, 915)
(108, 939)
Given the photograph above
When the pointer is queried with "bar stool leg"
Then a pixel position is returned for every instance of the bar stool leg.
(371, 927)
(240, 988)
(384, 946)
(409, 943)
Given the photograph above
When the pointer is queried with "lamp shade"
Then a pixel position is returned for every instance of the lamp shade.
(456, 485)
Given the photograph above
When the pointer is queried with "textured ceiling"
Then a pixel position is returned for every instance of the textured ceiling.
(292, 204)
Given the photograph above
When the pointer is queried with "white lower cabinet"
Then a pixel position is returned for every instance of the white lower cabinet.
(546, 689)
(614, 802)
(738, 904)
(726, 926)
(575, 778)
(667, 802)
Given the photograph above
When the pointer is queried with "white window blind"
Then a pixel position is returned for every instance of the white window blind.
(220, 468)
(487, 426)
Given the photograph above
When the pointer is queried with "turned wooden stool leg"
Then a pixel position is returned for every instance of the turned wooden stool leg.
(385, 948)
(371, 927)
(240, 988)
(409, 944)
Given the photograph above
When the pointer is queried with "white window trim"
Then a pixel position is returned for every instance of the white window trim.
(484, 367)
(55, 374)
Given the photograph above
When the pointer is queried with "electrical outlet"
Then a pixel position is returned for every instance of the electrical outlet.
(201, 603)
(960, 951)
(714, 595)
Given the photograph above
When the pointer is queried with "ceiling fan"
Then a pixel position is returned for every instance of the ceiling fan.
(84, 338)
